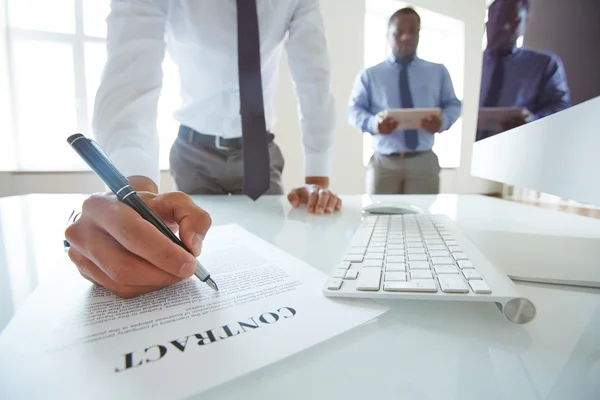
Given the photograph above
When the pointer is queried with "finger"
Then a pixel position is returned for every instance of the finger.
(338, 206)
(331, 203)
(139, 236)
(323, 200)
(123, 267)
(193, 221)
(294, 199)
(91, 272)
(79, 260)
(312, 201)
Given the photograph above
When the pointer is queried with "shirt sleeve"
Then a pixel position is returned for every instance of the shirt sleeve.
(125, 110)
(359, 114)
(554, 93)
(451, 106)
(309, 66)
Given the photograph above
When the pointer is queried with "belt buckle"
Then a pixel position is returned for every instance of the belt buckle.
(218, 144)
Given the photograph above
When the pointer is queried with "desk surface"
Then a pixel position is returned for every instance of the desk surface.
(418, 350)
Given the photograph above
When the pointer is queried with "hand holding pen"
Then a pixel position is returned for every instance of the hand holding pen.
(124, 242)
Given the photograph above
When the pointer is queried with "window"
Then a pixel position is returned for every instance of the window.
(56, 53)
(442, 40)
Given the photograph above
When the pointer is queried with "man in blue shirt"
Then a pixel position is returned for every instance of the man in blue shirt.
(512, 77)
(403, 162)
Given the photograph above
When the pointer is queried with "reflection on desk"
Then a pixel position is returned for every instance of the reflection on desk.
(418, 350)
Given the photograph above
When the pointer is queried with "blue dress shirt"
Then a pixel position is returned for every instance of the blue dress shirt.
(378, 88)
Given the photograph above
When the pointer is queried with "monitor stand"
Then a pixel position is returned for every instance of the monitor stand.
(560, 260)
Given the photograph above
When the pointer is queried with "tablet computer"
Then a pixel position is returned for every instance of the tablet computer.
(409, 118)
(491, 118)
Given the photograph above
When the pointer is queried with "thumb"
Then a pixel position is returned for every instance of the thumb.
(293, 198)
(180, 209)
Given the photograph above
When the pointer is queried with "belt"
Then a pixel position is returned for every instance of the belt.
(197, 138)
(408, 154)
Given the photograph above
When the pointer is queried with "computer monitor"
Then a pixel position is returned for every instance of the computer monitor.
(539, 127)
(539, 118)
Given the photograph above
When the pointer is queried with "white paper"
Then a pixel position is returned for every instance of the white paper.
(73, 340)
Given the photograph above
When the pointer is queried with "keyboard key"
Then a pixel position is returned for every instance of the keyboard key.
(415, 245)
(455, 249)
(392, 246)
(339, 273)
(416, 251)
(420, 274)
(376, 249)
(442, 260)
(369, 279)
(395, 253)
(377, 243)
(394, 259)
(344, 265)
(353, 257)
(395, 276)
(480, 287)
(334, 284)
(374, 255)
(373, 263)
(352, 274)
(460, 256)
(395, 267)
(465, 264)
(471, 274)
(419, 265)
(434, 247)
(395, 241)
(438, 253)
(445, 269)
(420, 285)
(357, 250)
(451, 283)
(451, 243)
(417, 257)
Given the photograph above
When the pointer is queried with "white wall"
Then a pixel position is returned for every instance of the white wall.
(345, 34)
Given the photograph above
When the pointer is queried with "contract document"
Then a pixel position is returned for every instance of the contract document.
(72, 339)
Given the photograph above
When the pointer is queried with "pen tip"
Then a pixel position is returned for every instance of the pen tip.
(212, 284)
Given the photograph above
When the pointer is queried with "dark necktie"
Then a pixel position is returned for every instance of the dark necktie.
(493, 95)
(255, 146)
(411, 136)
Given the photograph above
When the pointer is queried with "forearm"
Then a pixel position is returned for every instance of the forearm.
(362, 120)
(125, 112)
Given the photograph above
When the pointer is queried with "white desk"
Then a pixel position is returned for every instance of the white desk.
(418, 350)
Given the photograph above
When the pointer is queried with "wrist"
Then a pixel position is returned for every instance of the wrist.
(142, 184)
(321, 181)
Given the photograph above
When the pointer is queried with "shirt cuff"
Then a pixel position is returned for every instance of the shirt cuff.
(133, 162)
(371, 125)
(318, 164)
(445, 125)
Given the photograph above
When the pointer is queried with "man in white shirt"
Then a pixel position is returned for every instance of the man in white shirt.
(228, 69)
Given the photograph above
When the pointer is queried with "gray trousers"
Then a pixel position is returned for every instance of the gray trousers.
(205, 169)
(418, 174)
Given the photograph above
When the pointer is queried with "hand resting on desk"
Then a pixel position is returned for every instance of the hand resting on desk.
(112, 246)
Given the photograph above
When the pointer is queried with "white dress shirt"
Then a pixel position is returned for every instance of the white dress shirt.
(201, 38)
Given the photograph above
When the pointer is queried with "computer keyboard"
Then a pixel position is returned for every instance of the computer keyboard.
(422, 256)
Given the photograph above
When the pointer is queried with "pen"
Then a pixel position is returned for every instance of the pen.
(105, 169)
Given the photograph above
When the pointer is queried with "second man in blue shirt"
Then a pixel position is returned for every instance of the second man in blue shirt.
(403, 162)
